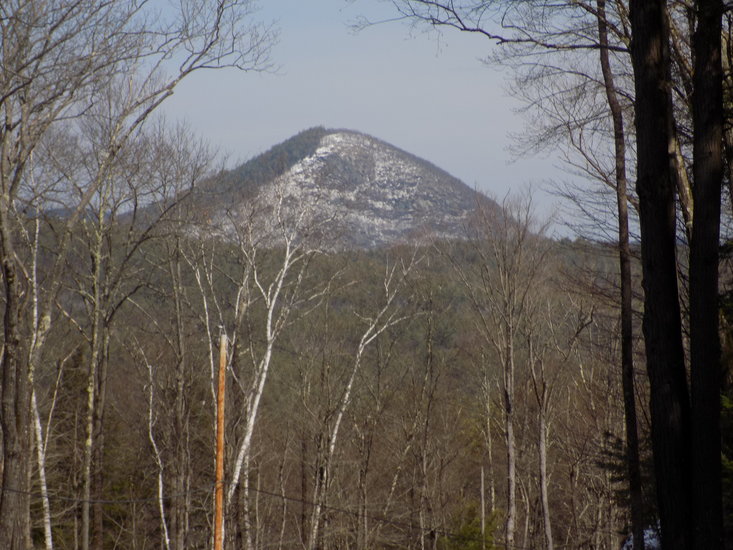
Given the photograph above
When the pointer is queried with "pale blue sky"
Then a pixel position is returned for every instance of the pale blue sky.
(433, 98)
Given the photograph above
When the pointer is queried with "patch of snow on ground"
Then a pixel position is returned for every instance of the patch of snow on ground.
(651, 540)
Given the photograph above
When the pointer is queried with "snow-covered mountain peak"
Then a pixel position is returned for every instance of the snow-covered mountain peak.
(351, 189)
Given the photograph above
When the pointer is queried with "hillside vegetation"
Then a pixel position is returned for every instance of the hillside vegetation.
(366, 398)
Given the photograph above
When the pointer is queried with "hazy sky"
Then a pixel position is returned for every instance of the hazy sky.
(433, 98)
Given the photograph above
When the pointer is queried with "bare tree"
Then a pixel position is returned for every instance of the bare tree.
(388, 314)
(173, 164)
(625, 280)
(269, 286)
(512, 255)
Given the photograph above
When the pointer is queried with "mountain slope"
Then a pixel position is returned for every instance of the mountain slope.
(357, 190)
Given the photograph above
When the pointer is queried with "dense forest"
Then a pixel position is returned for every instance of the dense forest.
(500, 390)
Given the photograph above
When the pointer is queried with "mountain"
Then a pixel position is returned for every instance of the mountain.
(349, 188)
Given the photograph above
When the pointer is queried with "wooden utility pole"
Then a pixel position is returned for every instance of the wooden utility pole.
(219, 489)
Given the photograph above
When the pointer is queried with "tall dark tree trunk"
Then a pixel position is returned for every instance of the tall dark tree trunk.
(707, 113)
(624, 255)
(15, 408)
(727, 67)
(670, 407)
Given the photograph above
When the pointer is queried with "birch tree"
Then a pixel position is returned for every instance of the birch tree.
(280, 294)
(266, 286)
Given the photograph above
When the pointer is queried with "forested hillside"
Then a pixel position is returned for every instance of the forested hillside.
(370, 395)
(274, 162)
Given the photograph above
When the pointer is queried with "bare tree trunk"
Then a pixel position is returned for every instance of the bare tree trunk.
(284, 501)
(323, 478)
(627, 314)
(40, 329)
(544, 494)
(492, 483)
(365, 454)
(682, 182)
(277, 311)
(384, 318)
(727, 66)
(97, 339)
(16, 404)
(542, 395)
(511, 458)
(706, 377)
(303, 489)
(165, 543)
(489, 439)
(483, 508)
(670, 408)
(99, 439)
(180, 503)
(244, 512)
(88, 465)
(526, 543)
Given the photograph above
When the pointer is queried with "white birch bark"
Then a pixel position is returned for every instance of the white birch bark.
(280, 294)
(41, 458)
(273, 324)
(40, 330)
(158, 459)
(41, 448)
